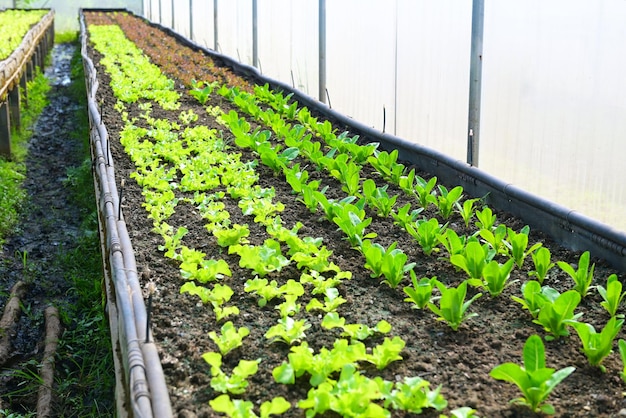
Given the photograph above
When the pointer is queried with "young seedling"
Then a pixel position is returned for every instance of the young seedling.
(466, 210)
(518, 244)
(389, 263)
(386, 352)
(201, 90)
(352, 221)
(238, 408)
(412, 395)
(534, 379)
(534, 296)
(486, 218)
(612, 296)
(541, 260)
(426, 232)
(377, 197)
(583, 276)
(556, 314)
(496, 239)
(495, 277)
(422, 292)
(288, 330)
(424, 191)
(597, 346)
(356, 332)
(452, 242)
(473, 260)
(622, 352)
(238, 381)
(332, 301)
(452, 306)
(405, 216)
(230, 337)
(447, 200)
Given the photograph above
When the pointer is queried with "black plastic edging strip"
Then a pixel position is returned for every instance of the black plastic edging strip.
(568, 227)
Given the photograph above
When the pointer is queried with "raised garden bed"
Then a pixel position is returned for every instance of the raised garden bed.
(208, 208)
(26, 37)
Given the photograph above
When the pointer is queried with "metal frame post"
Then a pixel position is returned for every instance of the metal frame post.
(5, 130)
(191, 19)
(322, 50)
(173, 20)
(255, 35)
(476, 66)
(161, 11)
(215, 28)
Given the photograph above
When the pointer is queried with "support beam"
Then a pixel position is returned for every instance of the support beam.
(24, 87)
(322, 51)
(215, 26)
(476, 69)
(255, 35)
(5, 130)
(14, 107)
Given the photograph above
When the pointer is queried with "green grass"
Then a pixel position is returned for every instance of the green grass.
(12, 196)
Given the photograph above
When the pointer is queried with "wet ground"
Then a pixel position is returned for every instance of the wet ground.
(50, 225)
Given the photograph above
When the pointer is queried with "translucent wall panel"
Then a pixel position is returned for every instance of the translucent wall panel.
(288, 42)
(554, 100)
(360, 44)
(235, 29)
(433, 73)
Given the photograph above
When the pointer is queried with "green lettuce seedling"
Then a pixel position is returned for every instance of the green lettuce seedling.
(230, 337)
(356, 332)
(216, 297)
(389, 263)
(405, 216)
(260, 259)
(486, 218)
(386, 164)
(612, 296)
(288, 330)
(235, 383)
(463, 412)
(583, 276)
(233, 235)
(556, 314)
(518, 244)
(447, 200)
(541, 260)
(421, 292)
(351, 220)
(452, 306)
(495, 277)
(534, 296)
(473, 260)
(332, 300)
(377, 197)
(466, 210)
(201, 90)
(597, 346)
(386, 352)
(426, 232)
(238, 408)
(452, 242)
(496, 239)
(347, 172)
(424, 191)
(412, 395)
(622, 352)
(534, 379)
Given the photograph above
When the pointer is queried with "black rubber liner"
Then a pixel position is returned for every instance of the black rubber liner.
(570, 228)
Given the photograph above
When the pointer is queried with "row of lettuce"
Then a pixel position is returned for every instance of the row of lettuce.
(14, 24)
(179, 160)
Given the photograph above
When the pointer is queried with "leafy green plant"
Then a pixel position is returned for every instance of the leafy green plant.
(452, 242)
(405, 216)
(495, 237)
(262, 259)
(233, 235)
(426, 232)
(235, 383)
(447, 199)
(230, 337)
(389, 263)
(267, 290)
(534, 379)
(612, 295)
(466, 210)
(518, 245)
(558, 312)
(597, 345)
(422, 291)
(541, 260)
(534, 296)
(347, 172)
(217, 296)
(377, 198)
(412, 394)
(332, 300)
(463, 412)
(386, 164)
(495, 277)
(486, 218)
(583, 276)
(354, 331)
(351, 220)
(288, 330)
(386, 352)
(473, 260)
(238, 408)
(201, 90)
(424, 191)
(452, 305)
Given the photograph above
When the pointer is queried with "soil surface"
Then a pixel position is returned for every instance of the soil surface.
(458, 361)
(50, 226)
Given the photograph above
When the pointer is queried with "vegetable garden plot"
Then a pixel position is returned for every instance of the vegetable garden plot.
(296, 270)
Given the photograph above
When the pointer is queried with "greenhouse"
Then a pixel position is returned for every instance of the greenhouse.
(319, 208)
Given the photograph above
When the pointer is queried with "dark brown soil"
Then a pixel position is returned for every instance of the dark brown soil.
(458, 361)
